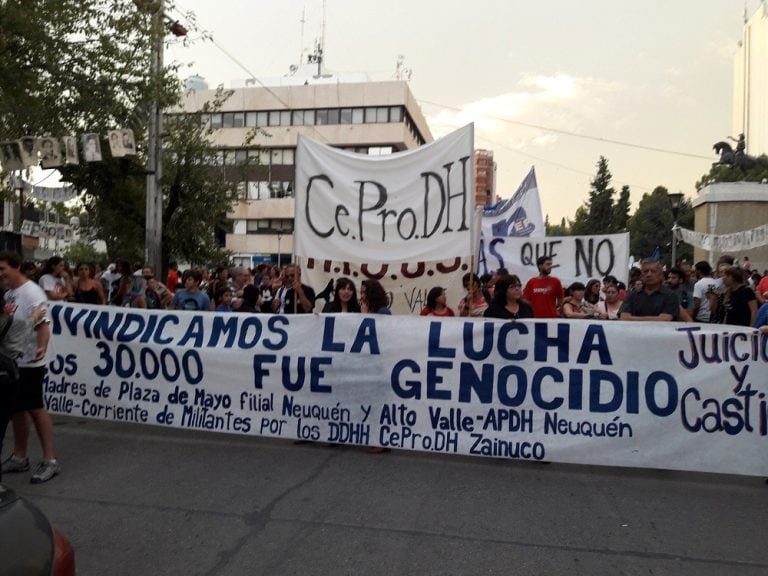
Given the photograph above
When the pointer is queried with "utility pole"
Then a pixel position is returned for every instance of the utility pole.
(153, 249)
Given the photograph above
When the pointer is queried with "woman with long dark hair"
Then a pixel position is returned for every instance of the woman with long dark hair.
(344, 298)
(373, 298)
(88, 290)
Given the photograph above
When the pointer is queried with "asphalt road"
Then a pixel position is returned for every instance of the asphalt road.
(154, 501)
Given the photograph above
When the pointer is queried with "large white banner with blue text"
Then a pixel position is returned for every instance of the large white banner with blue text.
(574, 258)
(415, 205)
(655, 395)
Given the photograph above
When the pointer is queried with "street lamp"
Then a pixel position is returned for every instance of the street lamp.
(675, 201)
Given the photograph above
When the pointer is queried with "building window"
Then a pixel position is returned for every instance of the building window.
(396, 114)
(274, 118)
(345, 116)
(228, 120)
(241, 157)
(321, 117)
(215, 121)
(288, 156)
(269, 226)
(333, 116)
(370, 115)
(239, 120)
(250, 119)
(382, 114)
(358, 115)
(285, 118)
(277, 156)
(262, 118)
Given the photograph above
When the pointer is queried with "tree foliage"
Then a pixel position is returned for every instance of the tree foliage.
(600, 214)
(728, 173)
(651, 226)
(75, 66)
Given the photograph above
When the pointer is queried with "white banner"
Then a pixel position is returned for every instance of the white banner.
(415, 205)
(406, 284)
(46, 230)
(573, 257)
(517, 216)
(556, 390)
(45, 193)
(735, 242)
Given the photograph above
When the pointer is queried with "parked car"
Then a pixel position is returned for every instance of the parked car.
(29, 544)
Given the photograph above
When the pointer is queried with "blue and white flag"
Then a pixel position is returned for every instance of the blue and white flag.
(519, 216)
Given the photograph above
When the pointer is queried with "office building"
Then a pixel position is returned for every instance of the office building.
(750, 85)
(350, 113)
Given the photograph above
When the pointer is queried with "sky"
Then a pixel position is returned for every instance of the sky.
(596, 77)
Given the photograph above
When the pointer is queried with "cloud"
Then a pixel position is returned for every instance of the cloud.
(560, 100)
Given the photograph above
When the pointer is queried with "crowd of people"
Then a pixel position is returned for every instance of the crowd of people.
(723, 294)
(726, 294)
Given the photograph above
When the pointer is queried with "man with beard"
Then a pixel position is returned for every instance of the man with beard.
(544, 292)
(676, 284)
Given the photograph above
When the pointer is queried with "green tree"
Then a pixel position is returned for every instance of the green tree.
(651, 226)
(597, 217)
(621, 211)
(75, 66)
(83, 252)
(727, 173)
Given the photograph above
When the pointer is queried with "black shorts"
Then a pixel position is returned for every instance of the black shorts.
(31, 388)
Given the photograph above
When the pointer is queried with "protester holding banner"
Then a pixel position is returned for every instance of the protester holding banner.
(474, 304)
(373, 298)
(344, 298)
(437, 303)
(507, 300)
(299, 298)
(592, 291)
(575, 305)
(544, 292)
(655, 302)
(612, 303)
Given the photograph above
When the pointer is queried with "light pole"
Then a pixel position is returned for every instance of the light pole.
(675, 201)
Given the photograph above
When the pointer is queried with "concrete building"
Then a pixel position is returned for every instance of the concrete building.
(729, 207)
(485, 178)
(256, 134)
(750, 84)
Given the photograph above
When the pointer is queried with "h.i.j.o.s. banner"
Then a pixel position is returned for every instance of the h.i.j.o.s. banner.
(657, 395)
